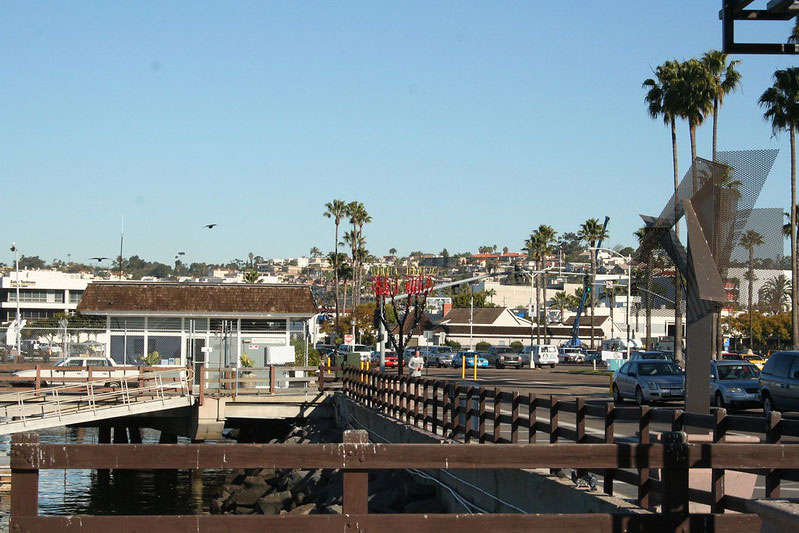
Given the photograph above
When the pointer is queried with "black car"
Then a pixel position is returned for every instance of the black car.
(779, 383)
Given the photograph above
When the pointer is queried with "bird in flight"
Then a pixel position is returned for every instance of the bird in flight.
(100, 259)
(210, 226)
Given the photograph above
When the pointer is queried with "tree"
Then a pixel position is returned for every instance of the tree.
(570, 245)
(724, 79)
(781, 102)
(662, 102)
(538, 246)
(336, 210)
(252, 276)
(464, 298)
(561, 300)
(315, 252)
(445, 257)
(749, 241)
(358, 217)
(31, 262)
(517, 346)
(482, 346)
(774, 296)
(392, 252)
(592, 232)
(648, 246)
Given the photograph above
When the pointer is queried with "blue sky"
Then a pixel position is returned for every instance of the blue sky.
(457, 124)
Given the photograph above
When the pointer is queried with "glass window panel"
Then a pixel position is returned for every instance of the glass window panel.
(163, 324)
(130, 323)
(127, 349)
(257, 325)
(167, 347)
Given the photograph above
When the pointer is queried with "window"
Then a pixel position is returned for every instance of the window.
(75, 296)
(163, 324)
(127, 349)
(778, 365)
(167, 347)
(37, 296)
(127, 323)
(793, 373)
(255, 325)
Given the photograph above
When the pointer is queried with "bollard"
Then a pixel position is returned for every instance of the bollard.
(463, 367)
(475, 367)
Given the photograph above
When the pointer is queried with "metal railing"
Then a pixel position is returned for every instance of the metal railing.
(356, 456)
(483, 414)
(59, 402)
(273, 379)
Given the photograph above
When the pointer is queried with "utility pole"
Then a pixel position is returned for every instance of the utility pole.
(18, 321)
(471, 317)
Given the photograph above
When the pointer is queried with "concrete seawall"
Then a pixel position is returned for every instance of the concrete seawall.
(495, 491)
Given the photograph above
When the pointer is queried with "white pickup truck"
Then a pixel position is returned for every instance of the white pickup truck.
(78, 367)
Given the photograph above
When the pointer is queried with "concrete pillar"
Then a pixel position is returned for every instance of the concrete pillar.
(135, 435)
(120, 435)
(168, 438)
(104, 435)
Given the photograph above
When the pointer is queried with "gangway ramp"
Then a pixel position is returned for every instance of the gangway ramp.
(68, 404)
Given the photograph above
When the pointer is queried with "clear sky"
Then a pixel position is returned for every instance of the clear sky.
(457, 124)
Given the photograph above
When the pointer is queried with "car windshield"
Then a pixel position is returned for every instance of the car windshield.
(658, 369)
(737, 371)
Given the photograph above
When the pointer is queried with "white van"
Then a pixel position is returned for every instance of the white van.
(542, 355)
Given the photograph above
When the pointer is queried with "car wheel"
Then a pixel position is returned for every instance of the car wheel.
(768, 405)
(719, 400)
(639, 396)
(552, 366)
(113, 384)
(617, 398)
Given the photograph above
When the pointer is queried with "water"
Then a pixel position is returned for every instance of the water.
(118, 492)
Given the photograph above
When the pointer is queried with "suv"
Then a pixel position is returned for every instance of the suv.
(503, 356)
(442, 356)
(779, 383)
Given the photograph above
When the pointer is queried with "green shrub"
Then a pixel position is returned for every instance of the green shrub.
(483, 346)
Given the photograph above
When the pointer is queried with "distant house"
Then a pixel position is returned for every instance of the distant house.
(200, 321)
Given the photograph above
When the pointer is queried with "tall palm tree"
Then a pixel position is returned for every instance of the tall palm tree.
(533, 248)
(592, 231)
(546, 240)
(724, 79)
(695, 95)
(781, 102)
(392, 251)
(315, 252)
(358, 217)
(336, 210)
(663, 101)
(749, 241)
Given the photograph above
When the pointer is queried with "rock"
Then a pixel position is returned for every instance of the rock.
(269, 508)
(248, 496)
(243, 509)
(386, 501)
(216, 505)
(332, 509)
(303, 509)
(299, 479)
(254, 481)
(267, 473)
(426, 506)
(281, 498)
(299, 498)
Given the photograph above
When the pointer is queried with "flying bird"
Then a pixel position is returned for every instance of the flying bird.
(210, 226)
(100, 259)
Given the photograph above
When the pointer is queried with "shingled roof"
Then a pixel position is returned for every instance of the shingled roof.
(482, 315)
(175, 298)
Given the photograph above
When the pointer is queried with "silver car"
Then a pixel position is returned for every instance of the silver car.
(648, 380)
(734, 384)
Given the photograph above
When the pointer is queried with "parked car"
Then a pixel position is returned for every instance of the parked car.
(593, 355)
(442, 356)
(503, 356)
(540, 354)
(648, 380)
(78, 367)
(364, 351)
(390, 360)
(734, 384)
(457, 361)
(571, 355)
(662, 356)
(779, 383)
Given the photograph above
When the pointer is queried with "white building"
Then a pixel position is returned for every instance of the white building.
(42, 293)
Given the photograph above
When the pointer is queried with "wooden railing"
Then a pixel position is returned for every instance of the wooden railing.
(355, 457)
(42, 375)
(483, 414)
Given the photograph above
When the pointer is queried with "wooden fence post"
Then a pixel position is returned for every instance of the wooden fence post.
(356, 481)
(24, 480)
(38, 383)
(481, 424)
(456, 412)
(609, 439)
(272, 378)
(320, 378)
(643, 473)
(675, 473)
(579, 419)
(435, 407)
(514, 418)
(532, 417)
(467, 416)
(717, 475)
(553, 424)
(773, 436)
(497, 414)
(201, 394)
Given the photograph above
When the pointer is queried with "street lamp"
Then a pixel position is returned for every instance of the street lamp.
(19, 317)
(628, 259)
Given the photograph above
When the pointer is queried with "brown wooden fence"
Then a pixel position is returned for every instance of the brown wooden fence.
(490, 415)
(355, 457)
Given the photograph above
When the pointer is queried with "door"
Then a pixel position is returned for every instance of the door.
(792, 387)
(628, 380)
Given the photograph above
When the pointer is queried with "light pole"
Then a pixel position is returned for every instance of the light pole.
(18, 322)
(471, 317)
(628, 259)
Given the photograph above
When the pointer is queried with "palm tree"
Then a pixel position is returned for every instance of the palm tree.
(315, 252)
(251, 276)
(547, 241)
(749, 240)
(724, 79)
(592, 232)
(610, 295)
(663, 102)
(781, 102)
(537, 247)
(775, 294)
(392, 251)
(336, 210)
(561, 300)
(694, 88)
(358, 217)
